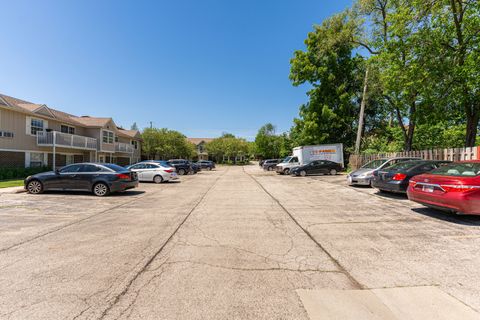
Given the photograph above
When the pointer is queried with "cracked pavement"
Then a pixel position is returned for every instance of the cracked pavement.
(235, 243)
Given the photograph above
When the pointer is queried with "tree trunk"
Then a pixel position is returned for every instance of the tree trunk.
(472, 128)
(411, 125)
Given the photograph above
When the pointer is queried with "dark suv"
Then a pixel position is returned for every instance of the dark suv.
(183, 166)
(205, 164)
(270, 164)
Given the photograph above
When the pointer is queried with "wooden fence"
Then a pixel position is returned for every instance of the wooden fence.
(453, 154)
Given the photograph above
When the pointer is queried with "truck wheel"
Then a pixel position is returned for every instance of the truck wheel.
(286, 171)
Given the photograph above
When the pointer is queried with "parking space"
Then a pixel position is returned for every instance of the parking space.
(234, 243)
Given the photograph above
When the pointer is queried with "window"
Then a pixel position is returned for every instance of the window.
(116, 138)
(138, 166)
(135, 144)
(67, 129)
(36, 159)
(90, 168)
(69, 159)
(72, 168)
(36, 125)
(6, 134)
(107, 137)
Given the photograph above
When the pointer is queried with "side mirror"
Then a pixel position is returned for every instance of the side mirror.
(57, 171)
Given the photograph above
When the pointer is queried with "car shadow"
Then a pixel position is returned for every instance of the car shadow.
(391, 195)
(127, 193)
(464, 220)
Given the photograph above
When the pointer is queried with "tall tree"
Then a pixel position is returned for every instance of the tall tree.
(335, 74)
(134, 126)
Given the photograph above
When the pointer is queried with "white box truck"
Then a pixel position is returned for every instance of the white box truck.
(306, 154)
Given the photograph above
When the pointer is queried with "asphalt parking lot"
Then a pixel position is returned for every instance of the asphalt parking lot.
(234, 243)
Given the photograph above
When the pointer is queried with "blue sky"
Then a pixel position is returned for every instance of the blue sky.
(200, 67)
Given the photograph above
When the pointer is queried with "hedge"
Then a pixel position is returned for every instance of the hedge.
(20, 173)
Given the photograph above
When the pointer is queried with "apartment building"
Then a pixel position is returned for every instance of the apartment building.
(36, 135)
(200, 143)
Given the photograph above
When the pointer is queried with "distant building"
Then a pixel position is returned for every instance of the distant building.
(200, 146)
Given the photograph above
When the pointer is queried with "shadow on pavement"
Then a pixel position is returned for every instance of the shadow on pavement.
(465, 220)
(391, 195)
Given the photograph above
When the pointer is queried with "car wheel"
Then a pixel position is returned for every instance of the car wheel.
(181, 172)
(35, 187)
(158, 179)
(270, 169)
(100, 189)
(303, 173)
(333, 172)
(209, 168)
(286, 171)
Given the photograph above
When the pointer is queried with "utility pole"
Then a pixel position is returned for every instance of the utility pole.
(362, 112)
(151, 124)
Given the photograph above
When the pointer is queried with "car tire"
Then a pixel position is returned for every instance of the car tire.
(333, 172)
(100, 189)
(181, 172)
(303, 173)
(270, 169)
(286, 171)
(158, 179)
(209, 168)
(35, 187)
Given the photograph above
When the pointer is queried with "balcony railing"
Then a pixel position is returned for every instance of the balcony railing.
(61, 139)
(123, 147)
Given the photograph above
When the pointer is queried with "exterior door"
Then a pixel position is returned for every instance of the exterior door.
(68, 177)
(139, 169)
(85, 177)
(149, 172)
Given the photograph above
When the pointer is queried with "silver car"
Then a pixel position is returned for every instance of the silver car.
(156, 171)
(364, 175)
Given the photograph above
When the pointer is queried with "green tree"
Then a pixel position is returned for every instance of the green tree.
(166, 144)
(230, 147)
(335, 73)
(134, 126)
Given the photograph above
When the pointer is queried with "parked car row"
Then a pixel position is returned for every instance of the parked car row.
(444, 185)
(106, 178)
(312, 167)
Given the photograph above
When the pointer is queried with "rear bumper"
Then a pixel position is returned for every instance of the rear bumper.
(468, 203)
(391, 186)
(117, 186)
(361, 181)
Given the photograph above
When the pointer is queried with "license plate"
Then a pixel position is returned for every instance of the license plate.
(427, 189)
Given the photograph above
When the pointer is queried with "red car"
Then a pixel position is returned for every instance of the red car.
(454, 187)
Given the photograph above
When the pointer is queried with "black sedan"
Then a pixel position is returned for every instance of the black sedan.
(101, 179)
(317, 167)
(395, 178)
(206, 164)
(270, 164)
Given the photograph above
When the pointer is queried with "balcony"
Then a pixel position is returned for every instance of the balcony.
(65, 140)
(123, 147)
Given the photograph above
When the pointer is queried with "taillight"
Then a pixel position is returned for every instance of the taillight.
(399, 176)
(459, 188)
(168, 170)
(123, 176)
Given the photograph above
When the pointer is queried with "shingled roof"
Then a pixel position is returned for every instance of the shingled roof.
(45, 111)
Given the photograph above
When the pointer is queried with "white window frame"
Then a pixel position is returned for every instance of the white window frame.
(135, 144)
(109, 137)
(69, 128)
(30, 126)
(37, 162)
(69, 159)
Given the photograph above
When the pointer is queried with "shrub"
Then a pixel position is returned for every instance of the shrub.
(20, 173)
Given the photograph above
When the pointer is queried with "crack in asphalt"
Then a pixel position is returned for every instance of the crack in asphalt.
(155, 255)
(64, 226)
(354, 281)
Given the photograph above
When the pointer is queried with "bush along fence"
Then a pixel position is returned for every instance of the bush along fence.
(453, 154)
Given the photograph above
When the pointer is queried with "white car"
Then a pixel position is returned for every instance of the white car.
(156, 171)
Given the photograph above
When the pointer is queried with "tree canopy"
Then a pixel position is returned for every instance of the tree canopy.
(166, 144)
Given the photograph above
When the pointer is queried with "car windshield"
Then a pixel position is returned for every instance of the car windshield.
(468, 169)
(405, 165)
(287, 159)
(373, 164)
(114, 167)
